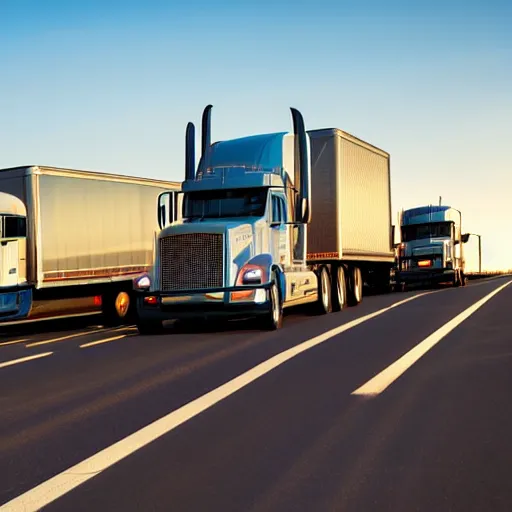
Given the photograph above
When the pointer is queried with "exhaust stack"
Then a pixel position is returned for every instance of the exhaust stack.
(302, 173)
(190, 152)
(206, 137)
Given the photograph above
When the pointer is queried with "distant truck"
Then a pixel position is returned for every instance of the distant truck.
(431, 249)
(271, 221)
(67, 234)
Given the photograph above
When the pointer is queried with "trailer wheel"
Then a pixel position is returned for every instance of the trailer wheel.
(339, 288)
(117, 308)
(355, 286)
(324, 303)
(274, 317)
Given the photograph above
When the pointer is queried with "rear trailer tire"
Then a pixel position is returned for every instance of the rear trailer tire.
(274, 317)
(117, 308)
(324, 302)
(355, 286)
(339, 289)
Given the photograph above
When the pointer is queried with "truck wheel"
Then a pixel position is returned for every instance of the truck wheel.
(117, 308)
(150, 328)
(339, 288)
(324, 303)
(355, 286)
(274, 317)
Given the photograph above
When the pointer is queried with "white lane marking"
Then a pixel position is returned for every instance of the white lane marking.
(106, 340)
(23, 360)
(62, 338)
(74, 476)
(5, 343)
(77, 335)
(387, 376)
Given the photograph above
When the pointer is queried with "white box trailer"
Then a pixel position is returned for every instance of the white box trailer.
(351, 205)
(67, 234)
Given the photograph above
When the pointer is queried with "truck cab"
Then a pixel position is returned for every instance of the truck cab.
(431, 248)
(14, 293)
(239, 248)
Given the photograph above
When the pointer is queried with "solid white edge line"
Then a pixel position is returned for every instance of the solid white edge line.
(62, 483)
(386, 377)
(23, 360)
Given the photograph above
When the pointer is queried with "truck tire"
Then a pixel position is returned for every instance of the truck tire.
(117, 308)
(324, 302)
(355, 286)
(274, 317)
(339, 289)
(150, 328)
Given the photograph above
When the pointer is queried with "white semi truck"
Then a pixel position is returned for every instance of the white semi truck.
(68, 234)
(268, 222)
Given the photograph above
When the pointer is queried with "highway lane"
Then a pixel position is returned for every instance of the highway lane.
(294, 439)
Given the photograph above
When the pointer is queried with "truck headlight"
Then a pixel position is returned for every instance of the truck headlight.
(252, 276)
(143, 283)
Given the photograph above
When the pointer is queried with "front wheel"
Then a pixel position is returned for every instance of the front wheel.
(274, 317)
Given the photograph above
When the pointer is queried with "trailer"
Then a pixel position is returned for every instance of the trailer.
(351, 207)
(68, 234)
(269, 222)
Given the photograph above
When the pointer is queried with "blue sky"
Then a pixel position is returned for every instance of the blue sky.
(110, 86)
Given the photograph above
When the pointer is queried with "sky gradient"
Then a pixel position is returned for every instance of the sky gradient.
(110, 86)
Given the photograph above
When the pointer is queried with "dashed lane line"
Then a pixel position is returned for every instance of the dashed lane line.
(24, 359)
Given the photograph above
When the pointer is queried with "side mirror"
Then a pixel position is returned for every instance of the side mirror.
(465, 238)
(165, 212)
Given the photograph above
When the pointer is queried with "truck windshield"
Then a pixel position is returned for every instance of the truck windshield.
(241, 202)
(421, 231)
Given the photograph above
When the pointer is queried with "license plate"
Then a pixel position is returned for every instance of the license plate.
(8, 301)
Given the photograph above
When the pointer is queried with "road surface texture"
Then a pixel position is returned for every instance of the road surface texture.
(373, 408)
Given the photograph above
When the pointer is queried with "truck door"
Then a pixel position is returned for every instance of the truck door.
(9, 257)
(12, 232)
(279, 231)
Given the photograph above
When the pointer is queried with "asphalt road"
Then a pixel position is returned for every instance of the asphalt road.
(338, 426)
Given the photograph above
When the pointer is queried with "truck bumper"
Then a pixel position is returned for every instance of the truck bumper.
(15, 304)
(240, 301)
(425, 276)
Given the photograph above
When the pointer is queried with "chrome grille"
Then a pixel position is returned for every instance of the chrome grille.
(191, 261)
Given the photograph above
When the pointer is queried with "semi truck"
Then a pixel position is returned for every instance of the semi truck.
(431, 249)
(268, 222)
(68, 234)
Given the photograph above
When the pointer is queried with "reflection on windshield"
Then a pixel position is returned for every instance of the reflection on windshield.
(421, 231)
(242, 202)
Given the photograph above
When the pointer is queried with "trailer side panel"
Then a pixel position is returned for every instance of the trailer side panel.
(94, 230)
(351, 199)
(364, 200)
